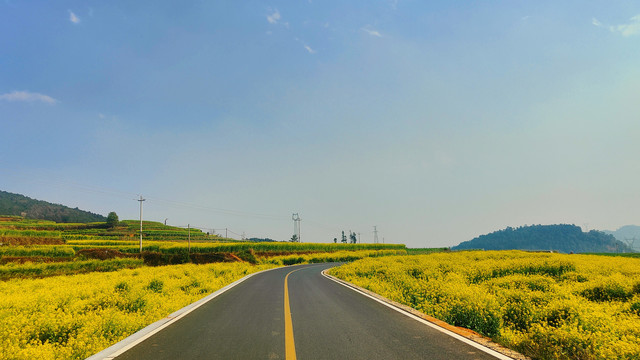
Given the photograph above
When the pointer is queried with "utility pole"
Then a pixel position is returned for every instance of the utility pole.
(141, 200)
(375, 234)
(359, 239)
(226, 233)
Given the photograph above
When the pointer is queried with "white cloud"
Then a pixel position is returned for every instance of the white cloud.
(597, 23)
(306, 47)
(630, 29)
(626, 30)
(73, 17)
(371, 32)
(274, 17)
(27, 97)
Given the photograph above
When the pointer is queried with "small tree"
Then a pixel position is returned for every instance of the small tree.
(294, 238)
(344, 238)
(112, 219)
(335, 240)
(354, 239)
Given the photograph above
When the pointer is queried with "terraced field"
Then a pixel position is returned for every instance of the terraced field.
(70, 290)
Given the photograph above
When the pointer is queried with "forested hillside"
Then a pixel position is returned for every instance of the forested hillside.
(20, 205)
(562, 238)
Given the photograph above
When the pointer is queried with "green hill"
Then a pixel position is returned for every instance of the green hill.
(563, 238)
(20, 205)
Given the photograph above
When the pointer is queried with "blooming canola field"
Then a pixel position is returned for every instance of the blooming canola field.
(73, 317)
(546, 306)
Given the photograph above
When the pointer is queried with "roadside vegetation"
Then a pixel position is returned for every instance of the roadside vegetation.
(71, 290)
(546, 306)
(73, 317)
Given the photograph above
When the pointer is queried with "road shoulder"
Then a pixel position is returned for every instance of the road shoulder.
(127, 343)
(482, 342)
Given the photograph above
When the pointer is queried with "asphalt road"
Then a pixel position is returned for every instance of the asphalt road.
(328, 321)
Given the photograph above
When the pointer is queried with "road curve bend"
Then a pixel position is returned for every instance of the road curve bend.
(313, 317)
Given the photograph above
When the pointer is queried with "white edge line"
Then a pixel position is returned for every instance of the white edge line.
(143, 334)
(450, 333)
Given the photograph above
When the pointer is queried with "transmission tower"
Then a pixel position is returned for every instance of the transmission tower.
(375, 234)
(631, 242)
(296, 226)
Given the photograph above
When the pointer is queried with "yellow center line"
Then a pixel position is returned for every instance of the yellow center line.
(289, 344)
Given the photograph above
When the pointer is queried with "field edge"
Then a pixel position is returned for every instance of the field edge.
(463, 332)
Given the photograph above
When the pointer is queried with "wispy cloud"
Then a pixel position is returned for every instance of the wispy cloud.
(26, 96)
(597, 23)
(274, 17)
(306, 47)
(372, 32)
(73, 17)
(629, 29)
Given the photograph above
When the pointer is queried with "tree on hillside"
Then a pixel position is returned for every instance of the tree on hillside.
(16, 204)
(112, 219)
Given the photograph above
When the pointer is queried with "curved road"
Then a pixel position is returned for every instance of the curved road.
(327, 321)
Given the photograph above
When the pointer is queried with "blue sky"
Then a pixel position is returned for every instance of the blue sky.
(434, 121)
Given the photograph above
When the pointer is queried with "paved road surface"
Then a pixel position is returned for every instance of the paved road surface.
(328, 321)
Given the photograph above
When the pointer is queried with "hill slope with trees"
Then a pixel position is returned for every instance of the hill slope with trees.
(563, 238)
(20, 205)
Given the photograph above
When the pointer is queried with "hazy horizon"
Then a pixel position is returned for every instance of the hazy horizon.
(436, 122)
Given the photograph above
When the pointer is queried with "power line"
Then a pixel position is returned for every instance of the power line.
(127, 195)
(217, 210)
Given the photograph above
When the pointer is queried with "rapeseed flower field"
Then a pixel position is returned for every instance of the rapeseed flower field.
(546, 306)
(73, 317)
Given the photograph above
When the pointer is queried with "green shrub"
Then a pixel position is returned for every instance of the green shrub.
(635, 308)
(155, 285)
(122, 287)
(607, 292)
(477, 319)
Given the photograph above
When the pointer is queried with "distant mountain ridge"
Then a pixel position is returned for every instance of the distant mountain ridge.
(628, 234)
(20, 205)
(563, 238)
